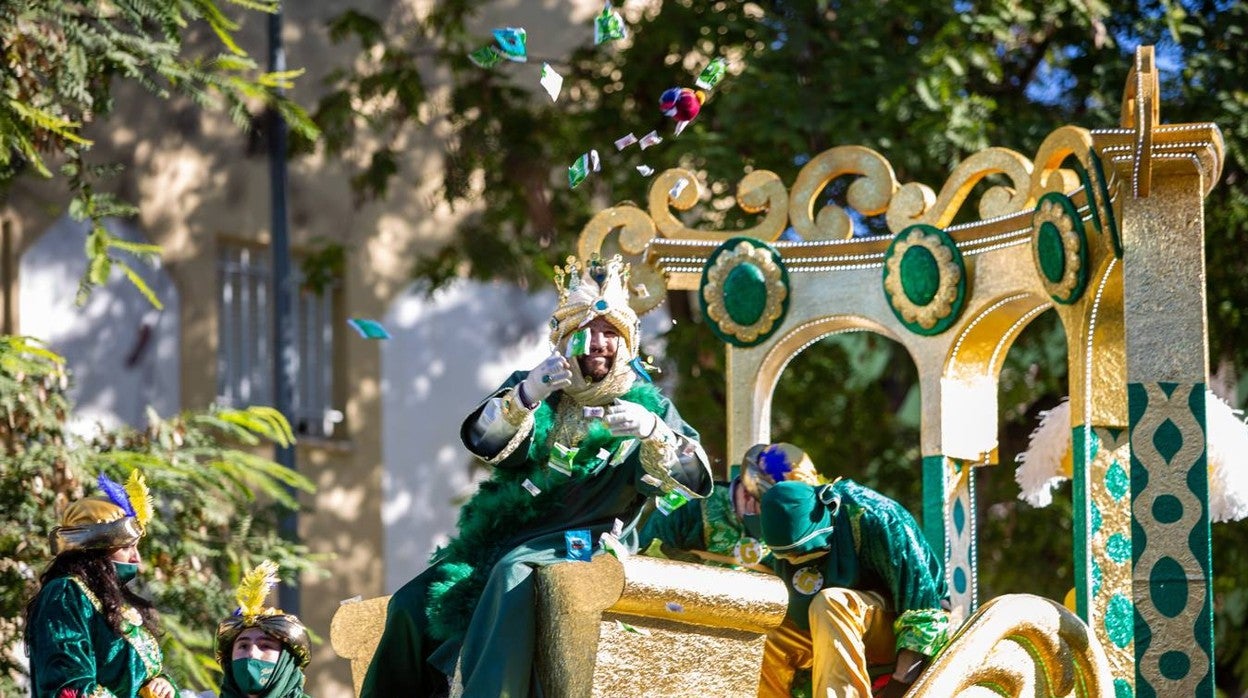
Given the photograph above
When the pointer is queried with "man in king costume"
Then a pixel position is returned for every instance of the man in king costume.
(578, 442)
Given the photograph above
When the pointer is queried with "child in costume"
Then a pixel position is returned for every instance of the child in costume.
(262, 651)
(87, 634)
(865, 589)
(576, 443)
(723, 529)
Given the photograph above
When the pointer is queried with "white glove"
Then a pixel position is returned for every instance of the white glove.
(552, 374)
(626, 418)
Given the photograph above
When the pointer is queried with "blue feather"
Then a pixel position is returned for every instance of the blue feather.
(775, 463)
(117, 493)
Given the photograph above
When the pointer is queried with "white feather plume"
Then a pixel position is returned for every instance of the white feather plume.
(1228, 461)
(1040, 467)
(1046, 462)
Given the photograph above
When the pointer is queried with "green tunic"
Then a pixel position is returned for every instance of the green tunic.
(472, 613)
(710, 525)
(72, 646)
(876, 545)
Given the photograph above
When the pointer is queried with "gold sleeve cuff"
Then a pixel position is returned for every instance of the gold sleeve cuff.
(514, 411)
(658, 455)
(518, 416)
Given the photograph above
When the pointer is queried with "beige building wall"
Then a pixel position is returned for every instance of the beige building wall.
(197, 186)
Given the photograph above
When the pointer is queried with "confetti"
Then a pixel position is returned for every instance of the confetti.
(580, 547)
(354, 599)
(551, 81)
(591, 412)
(712, 74)
(670, 501)
(675, 607)
(511, 41)
(580, 169)
(612, 545)
(368, 329)
(617, 527)
(630, 629)
(609, 25)
(641, 291)
(578, 343)
(650, 139)
(645, 170)
(651, 480)
(561, 458)
(639, 367)
(486, 57)
(624, 141)
(533, 489)
(678, 188)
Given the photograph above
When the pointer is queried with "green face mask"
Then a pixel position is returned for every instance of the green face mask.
(126, 571)
(252, 675)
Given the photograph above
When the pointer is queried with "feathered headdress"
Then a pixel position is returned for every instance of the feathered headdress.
(774, 463)
(1047, 461)
(253, 590)
(115, 520)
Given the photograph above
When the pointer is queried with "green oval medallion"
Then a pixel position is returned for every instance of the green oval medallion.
(1052, 253)
(1167, 586)
(745, 294)
(920, 275)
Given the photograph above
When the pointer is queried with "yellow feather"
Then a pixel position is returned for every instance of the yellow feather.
(140, 498)
(254, 588)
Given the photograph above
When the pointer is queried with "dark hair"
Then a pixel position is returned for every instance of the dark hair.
(96, 571)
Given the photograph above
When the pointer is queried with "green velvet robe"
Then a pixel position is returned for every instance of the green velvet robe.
(72, 647)
(876, 545)
(494, 655)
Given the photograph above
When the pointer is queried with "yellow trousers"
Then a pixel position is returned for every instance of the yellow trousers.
(849, 630)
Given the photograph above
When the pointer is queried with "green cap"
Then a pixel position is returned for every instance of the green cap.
(797, 518)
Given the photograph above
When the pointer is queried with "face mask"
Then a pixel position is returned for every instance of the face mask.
(252, 675)
(126, 571)
(753, 525)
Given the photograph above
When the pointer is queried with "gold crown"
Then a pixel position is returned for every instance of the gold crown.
(598, 288)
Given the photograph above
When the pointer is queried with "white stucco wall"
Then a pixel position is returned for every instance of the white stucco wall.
(122, 353)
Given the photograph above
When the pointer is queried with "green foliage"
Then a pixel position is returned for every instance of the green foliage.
(63, 59)
(926, 84)
(208, 528)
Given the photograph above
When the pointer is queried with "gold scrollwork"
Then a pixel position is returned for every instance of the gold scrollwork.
(760, 190)
(946, 292)
(635, 230)
(869, 195)
(914, 202)
(713, 291)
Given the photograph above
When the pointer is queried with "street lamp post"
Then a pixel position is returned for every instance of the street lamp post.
(283, 321)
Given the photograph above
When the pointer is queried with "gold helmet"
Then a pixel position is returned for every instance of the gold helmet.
(252, 613)
(102, 523)
(774, 463)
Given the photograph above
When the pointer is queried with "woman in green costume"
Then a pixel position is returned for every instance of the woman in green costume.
(262, 651)
(87, 634)
(576, 446)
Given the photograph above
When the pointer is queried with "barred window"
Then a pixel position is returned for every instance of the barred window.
(245, 341)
